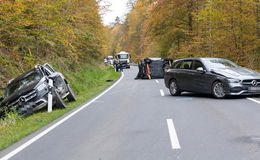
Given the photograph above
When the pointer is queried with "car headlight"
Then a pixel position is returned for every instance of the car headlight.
(41, 87)
(234, 80)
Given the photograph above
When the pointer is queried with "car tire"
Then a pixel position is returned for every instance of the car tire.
(71, 97)
(59, 102)
(173, 88)
(218, 90)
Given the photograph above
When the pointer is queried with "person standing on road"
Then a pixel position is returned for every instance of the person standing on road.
(118, 66)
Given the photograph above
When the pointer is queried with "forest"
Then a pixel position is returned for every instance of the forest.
(70, 33)
(191, 28)
(65, 33)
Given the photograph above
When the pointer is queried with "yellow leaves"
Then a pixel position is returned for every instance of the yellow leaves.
(229, 26)
(47, 27)
(139, 4)
(192, 27)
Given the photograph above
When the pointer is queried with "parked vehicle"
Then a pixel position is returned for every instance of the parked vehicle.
(105, 61)
(110, 60)
(216, 76)
(29, 92)
(124, 59)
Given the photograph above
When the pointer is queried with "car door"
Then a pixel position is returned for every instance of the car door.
(185, 75)
(201, 78)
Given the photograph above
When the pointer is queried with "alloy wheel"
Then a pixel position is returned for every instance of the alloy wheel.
(218, 90)
(174, 90)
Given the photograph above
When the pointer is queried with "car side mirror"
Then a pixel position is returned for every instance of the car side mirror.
(200, 69)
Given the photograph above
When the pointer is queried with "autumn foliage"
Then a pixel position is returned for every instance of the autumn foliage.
(55, 31)
(192, 28)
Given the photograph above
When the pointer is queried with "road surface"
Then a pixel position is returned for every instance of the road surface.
(139, 120)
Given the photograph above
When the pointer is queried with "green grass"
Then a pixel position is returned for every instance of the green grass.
(87, 82)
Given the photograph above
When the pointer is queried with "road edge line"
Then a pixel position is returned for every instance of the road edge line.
(46, 131)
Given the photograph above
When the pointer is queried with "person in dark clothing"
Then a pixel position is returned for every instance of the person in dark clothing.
(118, 65)
(141, 72)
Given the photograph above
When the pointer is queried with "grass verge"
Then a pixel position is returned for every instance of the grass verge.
(87, 82)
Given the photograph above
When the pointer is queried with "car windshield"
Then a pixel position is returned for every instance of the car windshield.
(25, 81)
(219, 64)
(123, 56)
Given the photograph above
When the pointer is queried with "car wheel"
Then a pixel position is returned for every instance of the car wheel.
(174, 89)
(59, 102)
(71, 97)
(218, 90)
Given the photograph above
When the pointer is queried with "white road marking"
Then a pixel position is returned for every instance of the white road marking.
(26, 144)
(156, 81)
(173, 135)
(254, 100)
(162, 93)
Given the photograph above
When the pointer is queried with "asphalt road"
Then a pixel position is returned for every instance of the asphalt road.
(139, 120)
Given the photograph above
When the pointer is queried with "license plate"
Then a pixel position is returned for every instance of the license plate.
(254, 89)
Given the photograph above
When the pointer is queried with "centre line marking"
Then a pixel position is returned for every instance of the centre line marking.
(46, 131)
(254, 100)
(156, 81)
(173, 135)
(162, 93)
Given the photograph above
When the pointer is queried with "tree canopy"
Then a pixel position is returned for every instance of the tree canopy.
(192, 28)
(56, 31)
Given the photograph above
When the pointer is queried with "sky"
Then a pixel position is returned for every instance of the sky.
(117, 8)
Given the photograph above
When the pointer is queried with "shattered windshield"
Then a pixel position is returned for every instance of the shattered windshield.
(25, 81)
(219, 64)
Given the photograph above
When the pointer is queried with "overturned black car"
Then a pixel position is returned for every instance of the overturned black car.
(29, 92)
(152, 68)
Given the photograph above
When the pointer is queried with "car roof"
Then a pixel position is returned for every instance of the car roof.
(198, 58)
(122, 52)
(155, 58)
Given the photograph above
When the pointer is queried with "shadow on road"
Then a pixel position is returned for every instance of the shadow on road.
(199, 95)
